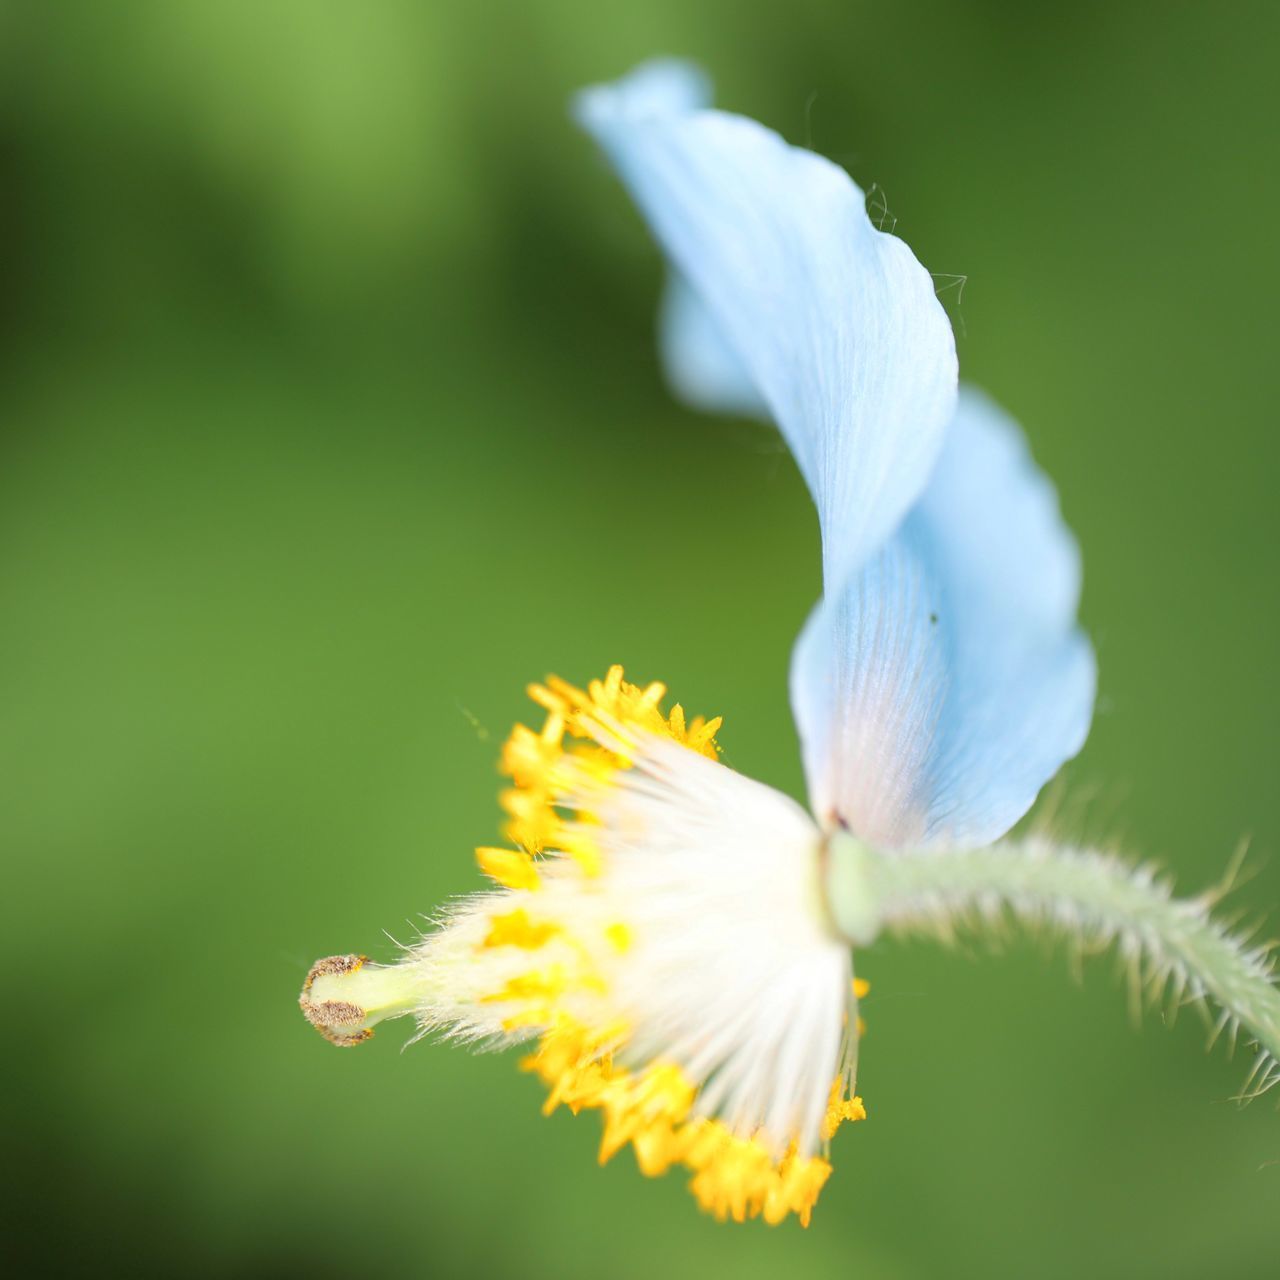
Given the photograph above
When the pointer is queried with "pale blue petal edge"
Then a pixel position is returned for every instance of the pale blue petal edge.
(834, 323)
(945, 682)
(701, 368)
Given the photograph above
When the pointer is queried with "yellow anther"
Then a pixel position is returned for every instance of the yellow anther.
(840, 1109)
(510, 867)
(516, 929)
(618, 936)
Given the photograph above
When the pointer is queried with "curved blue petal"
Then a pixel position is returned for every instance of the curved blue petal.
(656, 89)
(702, 369)
(943, 683)
(834, 323)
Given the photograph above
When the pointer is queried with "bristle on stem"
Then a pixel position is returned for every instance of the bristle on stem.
(1176, 948)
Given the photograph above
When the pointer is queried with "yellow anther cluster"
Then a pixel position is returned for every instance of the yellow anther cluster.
(588, 736)
(840, 1109)
(652, 1110)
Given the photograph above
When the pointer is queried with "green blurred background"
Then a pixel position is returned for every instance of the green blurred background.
(331, 416)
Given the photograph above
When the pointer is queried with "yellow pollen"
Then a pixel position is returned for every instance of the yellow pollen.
(587, 737)
(619, 937)
(515, 929)
(840, 1109)
(652, 1110)
(861, 989)
(538, 984)
(510, 867)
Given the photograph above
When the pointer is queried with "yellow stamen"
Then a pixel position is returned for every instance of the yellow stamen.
(515, 929)
(538, 984)
(861, 989)
(510, 867)
(618, 936)
(652, 1110)
(587, 737)
(840, 1109)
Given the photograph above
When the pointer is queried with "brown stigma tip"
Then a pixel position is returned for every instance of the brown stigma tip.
(341, 1022)
(333, 965)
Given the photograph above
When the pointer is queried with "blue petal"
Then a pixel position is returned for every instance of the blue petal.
(834, 323)
(702, 369)
(941, 686)
(658, 88)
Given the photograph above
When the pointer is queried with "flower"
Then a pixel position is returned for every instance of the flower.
(661, 930)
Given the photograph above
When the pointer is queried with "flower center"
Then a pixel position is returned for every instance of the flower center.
(572, 963)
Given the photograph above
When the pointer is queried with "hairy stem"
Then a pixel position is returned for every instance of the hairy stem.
(1175, 945)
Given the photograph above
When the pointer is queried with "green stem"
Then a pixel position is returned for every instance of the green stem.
(1175, 944)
